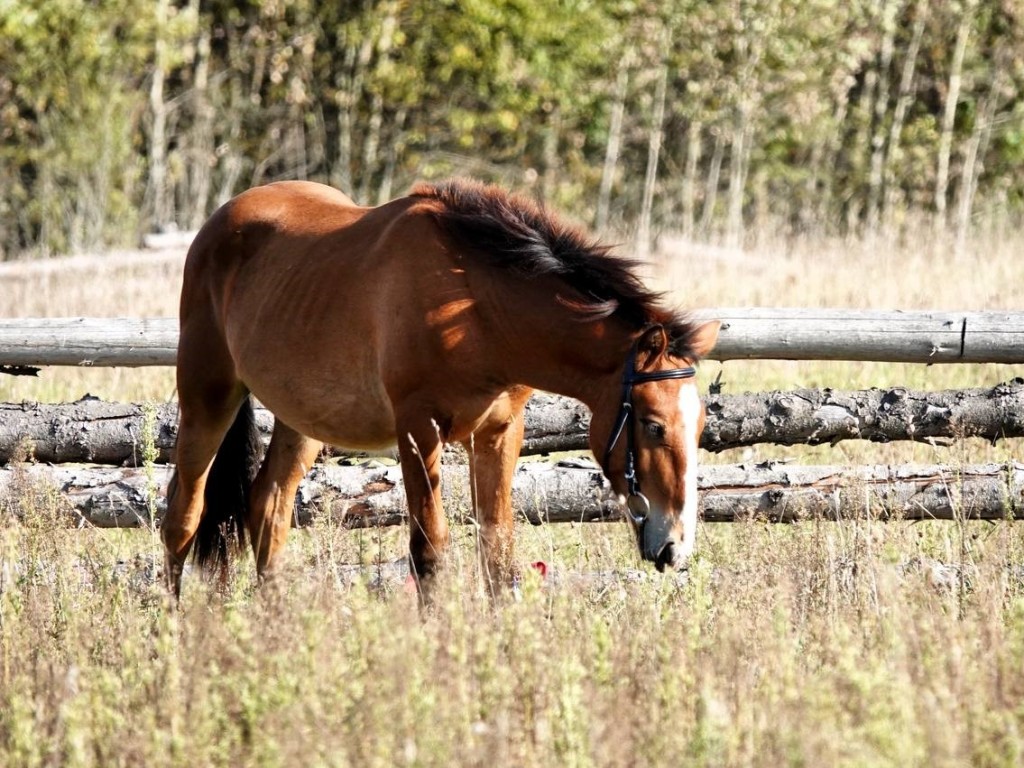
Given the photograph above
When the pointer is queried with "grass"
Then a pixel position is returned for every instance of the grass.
(817, 644)
(855, 643)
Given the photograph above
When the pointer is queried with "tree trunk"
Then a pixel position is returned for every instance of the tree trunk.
(780, 493)
(611, 154)
(881, 108)
(738, 155)
(158, 134)
(748, 47)
(115, 433)
(903, 102)
(949, 112)
(748, 333)
(350, 95)
(203, 151)
(711, 188)
(977, 146)
(824, 416)
(643, 230)
(549, 154)
(860, 151)
(345, 96)
(233, 162)
(689, 183)
(297, 161)
(371, 142)
(810, 209)
(395, 147)
(359, 497)
(822, 186)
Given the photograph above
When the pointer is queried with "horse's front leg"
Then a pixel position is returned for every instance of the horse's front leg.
(493, 450)
(419, 448)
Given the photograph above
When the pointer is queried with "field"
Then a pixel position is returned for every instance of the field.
(850, 643)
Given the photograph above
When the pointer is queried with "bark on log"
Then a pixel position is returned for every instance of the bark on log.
(816, 416)
(572, 492)
(112, 433)
(99, 432)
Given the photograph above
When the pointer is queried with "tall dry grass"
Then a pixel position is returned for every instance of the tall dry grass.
(851, 643)
(817, 644)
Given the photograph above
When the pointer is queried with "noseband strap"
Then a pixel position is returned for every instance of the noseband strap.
(637, 504)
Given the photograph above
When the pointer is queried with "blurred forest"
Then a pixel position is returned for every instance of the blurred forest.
(709, 118)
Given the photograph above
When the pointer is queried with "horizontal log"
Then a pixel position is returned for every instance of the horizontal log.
(828, 416)
(756, 333)
(574, 492)
(868, 335)
(101, 432)
(89, 341)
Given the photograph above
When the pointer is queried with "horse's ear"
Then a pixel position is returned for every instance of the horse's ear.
(704, 337)
(653, 343)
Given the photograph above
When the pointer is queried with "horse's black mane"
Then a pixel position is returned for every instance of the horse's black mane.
(516, 233)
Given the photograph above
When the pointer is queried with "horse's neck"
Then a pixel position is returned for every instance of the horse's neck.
(558, 351)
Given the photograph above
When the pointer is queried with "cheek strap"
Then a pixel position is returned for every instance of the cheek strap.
(636, 503)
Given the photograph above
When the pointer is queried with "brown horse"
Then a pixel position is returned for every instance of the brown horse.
(423, 321)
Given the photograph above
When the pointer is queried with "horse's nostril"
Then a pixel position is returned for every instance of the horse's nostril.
(666, 558)
(672, 557)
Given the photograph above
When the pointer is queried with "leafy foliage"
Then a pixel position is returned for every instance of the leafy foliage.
(123, 115)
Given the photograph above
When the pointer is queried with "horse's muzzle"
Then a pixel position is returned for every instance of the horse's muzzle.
(671, 557)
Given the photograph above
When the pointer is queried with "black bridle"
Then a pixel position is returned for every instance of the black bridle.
(638, 505)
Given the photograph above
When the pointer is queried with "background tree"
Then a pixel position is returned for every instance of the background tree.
(719, 119)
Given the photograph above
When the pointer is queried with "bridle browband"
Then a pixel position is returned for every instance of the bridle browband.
(636, 503)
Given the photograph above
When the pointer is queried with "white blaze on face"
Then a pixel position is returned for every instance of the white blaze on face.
(689, 410)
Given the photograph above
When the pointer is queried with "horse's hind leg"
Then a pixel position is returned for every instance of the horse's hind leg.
(273, 495)
(201, 429)
(209, 396)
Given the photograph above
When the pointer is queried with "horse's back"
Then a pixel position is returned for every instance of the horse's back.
(313, 299)
(293, 203)
(262, 230)
(294, 208)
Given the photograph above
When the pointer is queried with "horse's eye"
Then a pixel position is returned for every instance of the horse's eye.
(655, 430)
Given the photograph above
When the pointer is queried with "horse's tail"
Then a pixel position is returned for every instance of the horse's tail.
(222, 530)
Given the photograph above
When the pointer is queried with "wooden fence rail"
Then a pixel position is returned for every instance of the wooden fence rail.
(760, 333)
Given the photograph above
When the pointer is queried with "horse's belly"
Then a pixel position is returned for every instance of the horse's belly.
(360, 420)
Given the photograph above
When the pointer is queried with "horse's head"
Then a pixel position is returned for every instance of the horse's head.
(647, 441)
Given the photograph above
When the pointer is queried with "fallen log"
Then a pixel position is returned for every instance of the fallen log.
(575, 491)
(827, 416)
(101, 432)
